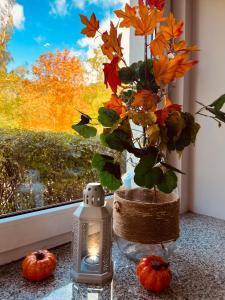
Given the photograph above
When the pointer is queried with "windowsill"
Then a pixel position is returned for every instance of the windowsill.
(197, 266)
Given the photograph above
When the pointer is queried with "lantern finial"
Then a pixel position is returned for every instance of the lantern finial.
(94, 194)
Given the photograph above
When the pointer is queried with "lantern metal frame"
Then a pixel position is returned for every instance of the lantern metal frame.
(92, 211)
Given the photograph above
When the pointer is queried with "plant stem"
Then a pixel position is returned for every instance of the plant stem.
(155, 194)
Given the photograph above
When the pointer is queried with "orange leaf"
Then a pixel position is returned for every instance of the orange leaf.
(158, 45)
(145, 100)
(182, 47)
(111, 74)
(107, 49)
(146, 23)
(112, 43)
(116, 104)
(126, 15)
(184, 65)
(92, 25)
(164, 70)
(173, 29)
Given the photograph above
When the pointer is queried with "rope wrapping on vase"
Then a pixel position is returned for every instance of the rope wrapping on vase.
(138, 218)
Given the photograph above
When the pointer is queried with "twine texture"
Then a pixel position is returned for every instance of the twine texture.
(138, 217)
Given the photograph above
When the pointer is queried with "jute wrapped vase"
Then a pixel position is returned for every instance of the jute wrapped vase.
(141, 216)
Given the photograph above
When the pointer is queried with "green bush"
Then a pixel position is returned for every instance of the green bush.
(63, 161)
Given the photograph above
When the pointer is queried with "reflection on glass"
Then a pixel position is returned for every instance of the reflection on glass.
(91, 248)
(87, 292)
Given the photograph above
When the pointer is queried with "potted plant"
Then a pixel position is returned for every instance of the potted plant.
(140, 119)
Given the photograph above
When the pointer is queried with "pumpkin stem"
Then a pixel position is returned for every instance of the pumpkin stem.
(157, 266)
(39, 255)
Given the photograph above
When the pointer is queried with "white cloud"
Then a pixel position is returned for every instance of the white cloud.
(103, 3)
(78, 53)
(18, 16)
(59, 7)
(79, 4)
(47, 45)
(39, 39)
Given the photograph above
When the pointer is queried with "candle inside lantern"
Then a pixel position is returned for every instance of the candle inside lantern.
(92, 259)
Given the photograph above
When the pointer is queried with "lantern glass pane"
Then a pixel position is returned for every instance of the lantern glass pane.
(91, 248)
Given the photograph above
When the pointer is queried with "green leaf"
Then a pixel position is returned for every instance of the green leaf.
(102, 139)
(110, 176)
(148, 161)
(116, 139)
(110, 181)
(107, 117)
(218, 104)
(127, 75)
(85, 130)
(144, 170)
(168, 182)
(108, 171)
(153, 177)
(99, 160)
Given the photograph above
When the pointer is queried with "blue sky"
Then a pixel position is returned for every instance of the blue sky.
(44, 25)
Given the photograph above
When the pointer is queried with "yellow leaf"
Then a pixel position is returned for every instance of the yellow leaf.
(142, 118)
(153, 134)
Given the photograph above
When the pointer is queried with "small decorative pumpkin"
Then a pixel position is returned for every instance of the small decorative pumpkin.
(39, 265)
(154, 273)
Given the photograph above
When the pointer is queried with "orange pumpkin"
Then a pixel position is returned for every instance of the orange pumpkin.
(154, 274)
(39, 265)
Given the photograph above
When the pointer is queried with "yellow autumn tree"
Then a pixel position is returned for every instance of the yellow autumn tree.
(95, 93)
(51, 99)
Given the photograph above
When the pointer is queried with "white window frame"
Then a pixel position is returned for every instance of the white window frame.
(46, 228)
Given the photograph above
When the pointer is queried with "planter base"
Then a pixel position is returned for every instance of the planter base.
(135, 251)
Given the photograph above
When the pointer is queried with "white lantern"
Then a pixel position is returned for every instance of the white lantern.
(92, 238)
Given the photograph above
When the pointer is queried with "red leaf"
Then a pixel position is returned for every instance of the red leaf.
(162, 114)
(111, 74)
(159, 4)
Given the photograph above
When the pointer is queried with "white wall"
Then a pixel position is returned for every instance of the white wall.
(207, 165)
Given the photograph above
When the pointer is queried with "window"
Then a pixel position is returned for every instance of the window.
(49, 73)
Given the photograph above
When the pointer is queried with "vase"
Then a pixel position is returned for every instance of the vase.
(145, 222)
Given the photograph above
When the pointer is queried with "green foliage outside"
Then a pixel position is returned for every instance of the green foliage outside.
(63, 160)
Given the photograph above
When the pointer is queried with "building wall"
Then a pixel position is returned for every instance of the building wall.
(207, 163)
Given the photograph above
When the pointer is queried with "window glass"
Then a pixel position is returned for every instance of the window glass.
(49, 73)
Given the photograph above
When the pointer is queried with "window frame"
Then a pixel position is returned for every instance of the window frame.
(46, 228)
(52, 226)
